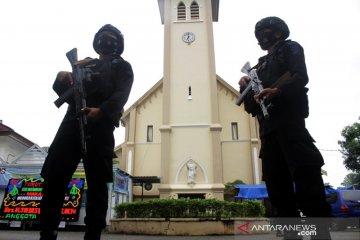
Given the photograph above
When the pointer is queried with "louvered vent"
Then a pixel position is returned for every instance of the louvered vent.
(194, 9)
(181, 12)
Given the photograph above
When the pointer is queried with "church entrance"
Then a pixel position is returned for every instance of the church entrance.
(192, 195)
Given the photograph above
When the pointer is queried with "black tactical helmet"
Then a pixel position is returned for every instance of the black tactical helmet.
(274, 23)
(118, 34)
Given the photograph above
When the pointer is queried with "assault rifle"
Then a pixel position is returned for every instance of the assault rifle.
(77, 91)
(255, 85)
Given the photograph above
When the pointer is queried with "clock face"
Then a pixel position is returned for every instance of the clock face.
(188, 37)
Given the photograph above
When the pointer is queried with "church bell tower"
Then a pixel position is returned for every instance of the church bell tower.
(191, 159)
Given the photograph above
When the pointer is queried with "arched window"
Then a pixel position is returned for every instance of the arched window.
(181, 11)
(194, 11)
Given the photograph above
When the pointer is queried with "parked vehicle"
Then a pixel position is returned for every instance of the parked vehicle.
(345, 205)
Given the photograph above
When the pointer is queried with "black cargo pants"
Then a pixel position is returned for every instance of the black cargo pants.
(62, 161)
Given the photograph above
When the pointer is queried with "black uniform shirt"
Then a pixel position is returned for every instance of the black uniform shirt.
(290, 108)
(108, 88)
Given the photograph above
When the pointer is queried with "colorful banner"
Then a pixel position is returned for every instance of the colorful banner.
(23, 197)
(121, 182)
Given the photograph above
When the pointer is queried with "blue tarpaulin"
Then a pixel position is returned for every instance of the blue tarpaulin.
(251, 191)
(329, 190)
(346, 188)
(258, 191)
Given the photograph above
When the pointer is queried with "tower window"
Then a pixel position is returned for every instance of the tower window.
(234, 131)
(149, 136)
(181, 12)
(194, 10)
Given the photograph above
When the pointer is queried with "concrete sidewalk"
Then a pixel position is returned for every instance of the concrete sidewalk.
(66, 235)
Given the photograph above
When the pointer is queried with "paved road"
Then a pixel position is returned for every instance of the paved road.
(65, 235)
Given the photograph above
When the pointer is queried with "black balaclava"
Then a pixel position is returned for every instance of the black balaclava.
(108, 41)
(267, 38)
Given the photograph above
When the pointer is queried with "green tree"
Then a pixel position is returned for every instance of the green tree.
(230, 191)
(350, 147)
(352, 179)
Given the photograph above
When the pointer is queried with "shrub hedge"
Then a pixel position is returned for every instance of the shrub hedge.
(189, 208)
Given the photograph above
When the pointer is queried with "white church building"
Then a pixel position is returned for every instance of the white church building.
(187, 129)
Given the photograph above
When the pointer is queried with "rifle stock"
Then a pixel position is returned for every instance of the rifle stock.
(281, 80)
(64, 97)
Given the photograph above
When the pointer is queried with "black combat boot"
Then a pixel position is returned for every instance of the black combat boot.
(292, 235)
(92, 234)
(48, 235)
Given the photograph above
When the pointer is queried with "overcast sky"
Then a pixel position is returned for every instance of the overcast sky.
(35, 35)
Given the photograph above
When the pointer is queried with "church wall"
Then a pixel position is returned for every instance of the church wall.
(236, 153)
(147, 154)
(119, 152)
(193, 72)
(147, 164)
(149, 113)
(195, 77)
(189, 147)
(237, 162)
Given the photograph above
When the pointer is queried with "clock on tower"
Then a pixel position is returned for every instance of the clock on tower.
(188, 37)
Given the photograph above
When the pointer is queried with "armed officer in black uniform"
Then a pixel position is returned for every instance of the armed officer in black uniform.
(107, 92)
(291, 162)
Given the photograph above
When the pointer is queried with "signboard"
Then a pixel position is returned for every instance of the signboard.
(23, 197)
(121, 182)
